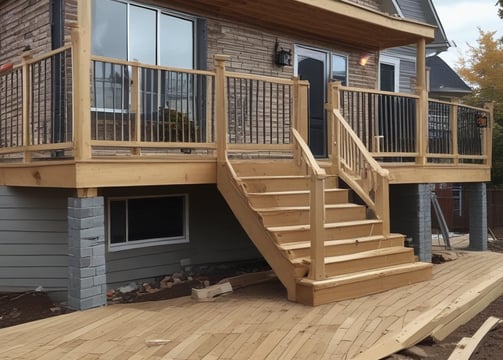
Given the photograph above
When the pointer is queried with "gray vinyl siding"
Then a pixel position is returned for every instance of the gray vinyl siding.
(215, 236)
(407, 76)
(33, 239)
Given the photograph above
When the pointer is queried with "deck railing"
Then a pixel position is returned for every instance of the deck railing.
(388, 124)
(145, 107)
(36, 106)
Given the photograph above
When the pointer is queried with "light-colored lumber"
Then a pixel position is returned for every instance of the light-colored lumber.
(467, 346)
(436, 318)
(244, 280)
(211, 292)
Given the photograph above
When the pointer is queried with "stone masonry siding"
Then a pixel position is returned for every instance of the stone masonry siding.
(28, 23)
(22, 24)
(251, 50)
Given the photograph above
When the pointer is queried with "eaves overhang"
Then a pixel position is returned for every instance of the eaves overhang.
(336, 21)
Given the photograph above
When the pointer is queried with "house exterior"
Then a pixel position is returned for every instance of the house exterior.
(138, 135)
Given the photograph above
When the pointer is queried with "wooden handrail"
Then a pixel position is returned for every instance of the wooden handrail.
(317, 207)
(361, 171)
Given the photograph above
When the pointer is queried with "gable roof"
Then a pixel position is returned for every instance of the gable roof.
(424, 11)
(444, 80)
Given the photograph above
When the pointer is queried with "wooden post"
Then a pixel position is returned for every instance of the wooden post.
(488, 133)
(26, 56)
(317, 223)
(81, 41)
(136, 106)
(300, 98)
(382, 203)
(334, 104)
(422, 108)
(220, 107)
(454, 124)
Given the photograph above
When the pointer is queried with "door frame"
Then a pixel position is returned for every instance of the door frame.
(324, 56)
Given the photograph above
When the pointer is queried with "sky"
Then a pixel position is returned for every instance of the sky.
(460, 19)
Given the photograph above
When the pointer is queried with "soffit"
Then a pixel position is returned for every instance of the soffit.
(330, 20)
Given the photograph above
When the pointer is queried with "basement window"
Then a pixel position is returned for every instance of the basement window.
(136, 222)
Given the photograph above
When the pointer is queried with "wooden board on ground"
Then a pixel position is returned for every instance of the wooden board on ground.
(467, 346)
(244, 280)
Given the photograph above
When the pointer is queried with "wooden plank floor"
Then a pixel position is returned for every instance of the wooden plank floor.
(253, 323)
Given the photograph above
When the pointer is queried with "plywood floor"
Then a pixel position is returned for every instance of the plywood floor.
(253, 323)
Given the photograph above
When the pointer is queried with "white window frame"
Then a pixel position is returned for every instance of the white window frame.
(395, 62)
(345, 56)
(135, 244)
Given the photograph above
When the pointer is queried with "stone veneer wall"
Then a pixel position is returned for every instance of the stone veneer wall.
(87, 282)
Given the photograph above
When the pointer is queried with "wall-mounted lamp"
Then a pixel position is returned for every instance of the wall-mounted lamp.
(282, 57)
(364, 58)
(481, 120)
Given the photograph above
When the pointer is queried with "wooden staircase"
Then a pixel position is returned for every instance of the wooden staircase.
(271, 199)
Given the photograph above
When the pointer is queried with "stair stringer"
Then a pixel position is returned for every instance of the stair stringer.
(251, 222)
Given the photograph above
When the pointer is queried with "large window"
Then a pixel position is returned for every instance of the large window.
(147, 221)
(129, 31)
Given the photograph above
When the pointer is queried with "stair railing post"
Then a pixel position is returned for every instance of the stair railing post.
(382, 202)
(317, 223)
(300, 107)
(334, 104)
(221, 119)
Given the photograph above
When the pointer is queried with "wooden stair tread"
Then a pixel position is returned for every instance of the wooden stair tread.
(293, 192)
(307, 208)
(361, 255)
(278, 177)
(327, 226)
(307, 244)
(364, 275)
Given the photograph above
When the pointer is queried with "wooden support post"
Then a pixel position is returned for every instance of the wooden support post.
(136, 106)
(317, 221)
(422, 108)
(81, 41)
(488, 133)
(26, 56)
(87, 192)
(221, 107)
(454, 124)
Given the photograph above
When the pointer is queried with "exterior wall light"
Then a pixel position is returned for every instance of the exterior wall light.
(282, 57)
(364, 58)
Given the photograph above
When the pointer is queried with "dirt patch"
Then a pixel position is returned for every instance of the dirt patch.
(18, 308)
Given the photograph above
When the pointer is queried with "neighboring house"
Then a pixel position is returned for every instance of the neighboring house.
(138, 135)
(445, 83)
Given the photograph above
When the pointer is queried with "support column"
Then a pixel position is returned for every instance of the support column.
(477, 195)
(86, 253)
(410, 212)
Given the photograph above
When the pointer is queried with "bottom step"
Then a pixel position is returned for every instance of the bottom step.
(350, 286)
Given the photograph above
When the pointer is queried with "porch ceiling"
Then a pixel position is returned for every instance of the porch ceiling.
(331, 20)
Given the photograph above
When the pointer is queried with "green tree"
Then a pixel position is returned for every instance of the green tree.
(482, 69)
(500, 8)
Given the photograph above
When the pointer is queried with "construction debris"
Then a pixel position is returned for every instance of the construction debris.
(440, 321)
(156, 342)
(212, 292)
(468, 345)
(244, 280)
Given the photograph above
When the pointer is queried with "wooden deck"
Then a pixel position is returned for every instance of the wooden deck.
(253, 323)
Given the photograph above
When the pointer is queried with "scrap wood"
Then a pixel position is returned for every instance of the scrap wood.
(435, 318)
(211, 292)
(244, 280)
(468, 345)
(447, 328)
(156, 342)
